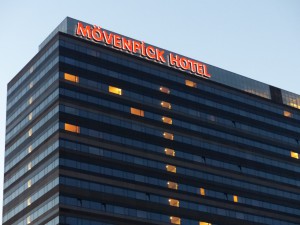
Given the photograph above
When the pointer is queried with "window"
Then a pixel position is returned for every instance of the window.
(29, 201)
(174, 202)
(166, 105)
(287, 113)
(169, 151)
(30, 85)
(294, 155)
(72, 128)
(202, 191)
(28, 220)
(164, 90)
(30, 149)
(29, 183)
(172, 185)
(136, 112)
(171, 168)
(30, 116)
(30, 100)
(175, 220)
(71, 78)
(29, 132)
(190, 83)
(167, 120)
(235, 198)
(168, 136)
(115, 90)
(29, 166)
(204, 223)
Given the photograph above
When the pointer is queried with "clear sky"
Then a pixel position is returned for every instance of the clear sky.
(259, 39)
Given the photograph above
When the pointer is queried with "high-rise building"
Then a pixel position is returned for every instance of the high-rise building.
(104, 129)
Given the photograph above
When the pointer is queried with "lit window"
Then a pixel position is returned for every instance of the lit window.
(30, 149)
(72, 128)
(204, 223)
(168, 136)
(71, 78)
(287, 114)
(235, 198)
(30, 85)
(30, 116)
(28, 220)
(29, 201)
(202, 191)
(164, 90)
(172, 185)
(167, 120)
(295, 155)
(190, 83)
(174, 202)
(29, 132)
(115, 90)
(29, 183)
(29, 166)
(30, 100)
(169, 151)
(175, 220)
(137, 112)
(171, 168)
(166, 105)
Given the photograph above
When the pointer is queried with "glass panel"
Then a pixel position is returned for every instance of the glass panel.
(172, 185)
(137, 112)
(202, 191)
(167, 120)
(175, 220)
(168, 136)
(164, 90)
(115, 90)
(294, 155)
(171, 168)
(190, 83)
(71, 77)
(72, 128)
(169, 151)
(166, 105)
(235, 198)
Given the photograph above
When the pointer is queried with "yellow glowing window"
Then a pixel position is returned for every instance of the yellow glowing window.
(29, 201)
(72, 128)
(190, 83)
(166, 105)
(164, 90)
(137, 112)
(175, 220)
(167, 120)
(71, 78)
(29, 132)
(28, 220)
(172, 185)
(29, 166)
(29, 183)
(30, 116)
(115, 90)
(295, 155)
(287, 114)
(202, 191)
(169, 151)
(235, 198)
(30, 100)
(173, 202)
(168, 136)
(204, 223)
(30, 149)
(171, 168)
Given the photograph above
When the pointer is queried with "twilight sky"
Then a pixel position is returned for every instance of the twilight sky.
(259, 39)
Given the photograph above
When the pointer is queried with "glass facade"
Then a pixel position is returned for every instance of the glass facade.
(96, 136)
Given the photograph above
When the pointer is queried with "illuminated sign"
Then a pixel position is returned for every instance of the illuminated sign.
(139, 48)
